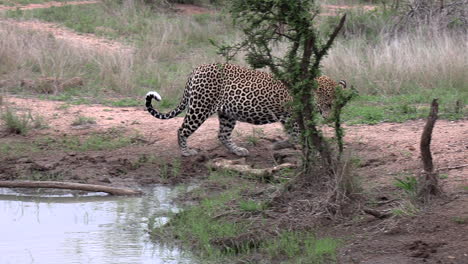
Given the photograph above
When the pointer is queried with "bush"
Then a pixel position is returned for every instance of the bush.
(21, 124)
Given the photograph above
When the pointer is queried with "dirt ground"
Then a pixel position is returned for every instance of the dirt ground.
(438, 234)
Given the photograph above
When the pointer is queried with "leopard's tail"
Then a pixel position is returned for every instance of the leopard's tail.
(154, 95)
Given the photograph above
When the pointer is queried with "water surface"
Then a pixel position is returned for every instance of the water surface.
(65, 228)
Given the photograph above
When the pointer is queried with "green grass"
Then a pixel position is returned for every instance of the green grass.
(302, 247)
(443, 176)
(167, 48)
(35, 175)
(97, 142)
(461, 220)
(16, 124)
(172, 169)
(408, 184)
(17, 148)
(251, 206)
(112, 139)
(124, 102)
(373, 109)
(112, 20)
(21, 123)
(83, 120)
(198, 226)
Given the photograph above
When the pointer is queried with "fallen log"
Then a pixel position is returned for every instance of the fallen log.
(241, 167)
(69, 186)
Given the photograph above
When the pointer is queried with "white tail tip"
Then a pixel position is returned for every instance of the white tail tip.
(155, 95)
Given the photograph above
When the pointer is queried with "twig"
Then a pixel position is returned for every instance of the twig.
(387, 202)
(222, 214)
(454, 167)
(376, 213)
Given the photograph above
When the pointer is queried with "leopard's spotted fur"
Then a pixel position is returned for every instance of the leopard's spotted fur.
(236, 94)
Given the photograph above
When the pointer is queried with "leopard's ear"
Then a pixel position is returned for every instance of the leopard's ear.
(343, 83)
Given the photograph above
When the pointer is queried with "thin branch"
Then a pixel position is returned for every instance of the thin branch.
(376, 213)
(332, 37)
(454, 167)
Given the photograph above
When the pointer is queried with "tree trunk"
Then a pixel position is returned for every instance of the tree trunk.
(428, 183)
(70, 186)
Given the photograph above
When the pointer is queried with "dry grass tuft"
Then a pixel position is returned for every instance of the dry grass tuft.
(401, 64)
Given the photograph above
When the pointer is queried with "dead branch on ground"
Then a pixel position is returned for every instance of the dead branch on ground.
(241, 167)
(69, 186)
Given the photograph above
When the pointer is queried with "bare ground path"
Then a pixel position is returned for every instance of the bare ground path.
(385, 150)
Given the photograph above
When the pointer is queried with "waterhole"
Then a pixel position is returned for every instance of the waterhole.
(64, 227)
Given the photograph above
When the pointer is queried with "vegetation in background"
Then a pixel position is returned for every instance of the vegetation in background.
(26, 2)
(166, 48)
(389, 70)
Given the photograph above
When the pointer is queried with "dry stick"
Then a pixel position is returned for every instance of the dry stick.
(70, 186)
(453, 167)
(376, 213)
(428, 180)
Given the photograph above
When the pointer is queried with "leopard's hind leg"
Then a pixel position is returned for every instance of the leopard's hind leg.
(192, 121)
(226, 125)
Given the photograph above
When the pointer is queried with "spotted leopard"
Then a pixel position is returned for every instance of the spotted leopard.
(235, 93)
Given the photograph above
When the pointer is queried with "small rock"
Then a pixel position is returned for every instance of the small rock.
(24, 160)
(105, 179)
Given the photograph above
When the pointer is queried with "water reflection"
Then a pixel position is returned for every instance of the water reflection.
(91, 229)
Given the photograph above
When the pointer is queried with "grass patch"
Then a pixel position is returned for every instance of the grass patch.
(17, 148)
(461, 220)
(112, 139)
(408, 184)
(374, 109)
(200, 226)
(257, 134)
(43, 176)
(26, 2)
(251, 206)
(302, 248)
(167, 47)
(21, 123)
(124, 102)
(172, 169)
(83, 120)
(97, 142)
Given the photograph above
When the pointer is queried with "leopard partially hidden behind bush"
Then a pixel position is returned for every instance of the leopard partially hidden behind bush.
(236, 93)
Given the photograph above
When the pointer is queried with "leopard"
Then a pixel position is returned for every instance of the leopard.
(237, 93)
